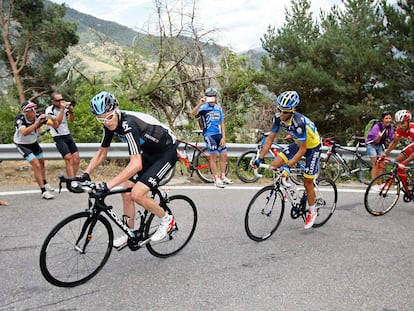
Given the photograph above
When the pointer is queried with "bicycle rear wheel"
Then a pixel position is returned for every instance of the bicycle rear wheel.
(185, 213)
(244, 170)
(329, 167)
(326, 199)
(364, 170)
(202, 166)
(264, 213)
(76, 249)
(379, 200)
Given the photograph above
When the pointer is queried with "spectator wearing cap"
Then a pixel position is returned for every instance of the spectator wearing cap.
(211, 118)
(63, 111)
(28, 124)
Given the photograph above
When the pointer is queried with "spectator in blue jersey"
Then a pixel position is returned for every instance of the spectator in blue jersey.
(378, 138)
(307, 143)
(152, 153)
(28, 124)
(211, 118)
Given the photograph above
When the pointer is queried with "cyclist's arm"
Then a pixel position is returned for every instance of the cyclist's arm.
(392, 146)
(134, 166)
(268, 143)
(301, 152)
(97, 159)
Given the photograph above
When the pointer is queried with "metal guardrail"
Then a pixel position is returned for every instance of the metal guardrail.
(8, 152)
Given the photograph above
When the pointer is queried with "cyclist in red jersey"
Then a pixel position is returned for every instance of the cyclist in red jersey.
(405, 128)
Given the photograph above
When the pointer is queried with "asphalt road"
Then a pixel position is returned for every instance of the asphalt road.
(355, 262)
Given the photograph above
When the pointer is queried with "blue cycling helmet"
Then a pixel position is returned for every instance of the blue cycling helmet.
(211, 91)
(288, 100)
(102, 103)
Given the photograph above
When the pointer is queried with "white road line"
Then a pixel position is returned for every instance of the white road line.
(166, 188)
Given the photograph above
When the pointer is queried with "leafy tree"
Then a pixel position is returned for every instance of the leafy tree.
(400, 32)
(34, 38)
(339, 66)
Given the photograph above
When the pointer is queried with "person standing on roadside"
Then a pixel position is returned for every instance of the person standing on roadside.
(211, 118)
(28, 124)
(61, 135)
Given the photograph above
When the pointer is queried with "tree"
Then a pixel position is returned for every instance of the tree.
(339, 67)
(34, 38)
(400, 32)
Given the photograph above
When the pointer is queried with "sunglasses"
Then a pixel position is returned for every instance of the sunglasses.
(30, 109)
(285, 111)
(59, 100)
(108, 118)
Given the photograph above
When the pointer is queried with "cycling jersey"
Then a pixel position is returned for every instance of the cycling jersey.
(63, 128)
(409, 133)
(142, 132)
(210, 118)
(301, 128)
(19, 138)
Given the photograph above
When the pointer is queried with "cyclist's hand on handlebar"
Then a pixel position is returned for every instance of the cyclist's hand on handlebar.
(84, 177)
(285, 170)
(401, 166)
(381, 158)
(256, 162)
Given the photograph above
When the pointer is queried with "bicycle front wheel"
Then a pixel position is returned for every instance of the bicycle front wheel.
(264, 213)
(76, 249)
(329, 167)
(363, 170)
(326, 199)
(185, 213)
(244, 171)
(202, 166)
(382, 194)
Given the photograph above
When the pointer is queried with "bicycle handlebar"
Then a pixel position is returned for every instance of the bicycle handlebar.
(88, 186)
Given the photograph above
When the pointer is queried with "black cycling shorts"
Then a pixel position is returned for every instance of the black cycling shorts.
(156, 166)
(65, 144)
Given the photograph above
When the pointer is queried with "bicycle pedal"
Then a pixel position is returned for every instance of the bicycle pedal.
(120, 248)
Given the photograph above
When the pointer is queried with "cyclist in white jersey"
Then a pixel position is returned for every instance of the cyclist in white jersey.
(152, 153)
(307, 144)
(28, 124)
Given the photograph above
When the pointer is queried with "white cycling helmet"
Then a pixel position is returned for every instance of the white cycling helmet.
(402, 115)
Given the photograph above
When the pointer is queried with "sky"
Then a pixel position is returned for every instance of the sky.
(240, 23)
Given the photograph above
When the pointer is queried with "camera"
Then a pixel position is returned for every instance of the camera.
(68, 104)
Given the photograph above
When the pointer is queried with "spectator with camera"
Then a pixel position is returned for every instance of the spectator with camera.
(61, 135)
(28, 124)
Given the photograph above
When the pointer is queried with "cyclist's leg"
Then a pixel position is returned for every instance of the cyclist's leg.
(153, 171)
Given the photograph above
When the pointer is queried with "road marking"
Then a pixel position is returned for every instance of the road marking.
(167, 188)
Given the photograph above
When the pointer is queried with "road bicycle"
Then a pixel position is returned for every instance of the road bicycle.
(266, 209)
(192, 158)
(246, 173)
(333, 164)
(78, 247)
(384, 190)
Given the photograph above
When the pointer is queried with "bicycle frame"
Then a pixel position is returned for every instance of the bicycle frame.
(190, 164)
(97, 205)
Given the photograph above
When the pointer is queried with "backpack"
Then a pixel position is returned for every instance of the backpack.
(369, 126)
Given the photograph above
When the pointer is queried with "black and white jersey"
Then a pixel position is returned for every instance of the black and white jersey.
(19, 138)
(142, 132)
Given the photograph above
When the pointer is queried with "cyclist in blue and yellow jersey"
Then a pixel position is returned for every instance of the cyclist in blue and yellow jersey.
(211, 119)
(307, 143)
